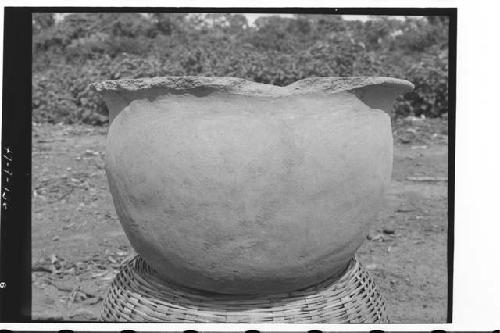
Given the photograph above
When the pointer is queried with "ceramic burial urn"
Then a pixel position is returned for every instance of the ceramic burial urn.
(236, 187)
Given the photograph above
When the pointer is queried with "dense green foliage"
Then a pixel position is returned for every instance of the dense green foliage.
(82, 48)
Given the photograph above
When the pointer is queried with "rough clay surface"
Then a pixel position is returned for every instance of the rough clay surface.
(184, 84)
(377, 92)
(248, 194)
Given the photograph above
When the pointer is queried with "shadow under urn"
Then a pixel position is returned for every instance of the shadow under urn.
(235, 187)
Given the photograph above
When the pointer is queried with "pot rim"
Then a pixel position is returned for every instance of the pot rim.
(233, 85)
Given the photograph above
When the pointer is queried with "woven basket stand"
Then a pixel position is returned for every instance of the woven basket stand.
(137, 294)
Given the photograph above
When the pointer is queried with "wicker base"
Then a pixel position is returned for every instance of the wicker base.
(137, 295)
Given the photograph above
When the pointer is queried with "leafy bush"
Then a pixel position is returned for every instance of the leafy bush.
(84, 48)
(430, 76)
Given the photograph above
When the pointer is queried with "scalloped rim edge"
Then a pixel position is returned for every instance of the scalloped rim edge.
(232, 85)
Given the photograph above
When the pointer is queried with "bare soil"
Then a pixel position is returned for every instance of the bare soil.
(78, 244)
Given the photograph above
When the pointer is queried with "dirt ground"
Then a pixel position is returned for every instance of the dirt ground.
(78, 243)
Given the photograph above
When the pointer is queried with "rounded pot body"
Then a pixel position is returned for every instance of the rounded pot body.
(247, 191)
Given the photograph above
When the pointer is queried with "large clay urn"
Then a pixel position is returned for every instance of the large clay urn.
(230, 186)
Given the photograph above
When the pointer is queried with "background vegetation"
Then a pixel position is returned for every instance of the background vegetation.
(70, 53)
